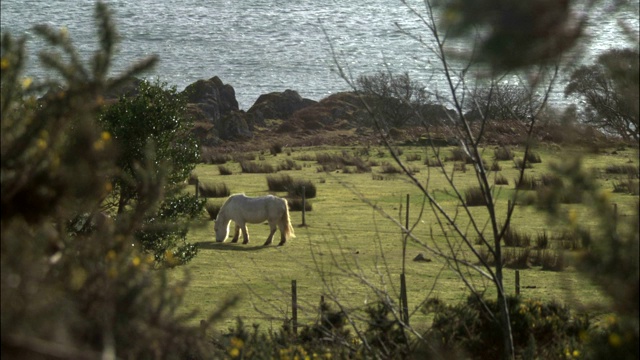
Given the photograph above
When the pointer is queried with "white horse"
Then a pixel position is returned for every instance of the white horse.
(243, 209)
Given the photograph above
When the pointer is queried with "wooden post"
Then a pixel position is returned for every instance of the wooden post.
(403, 299)
(403, 282)
(304, 206)
(517, 282)
(294, 306)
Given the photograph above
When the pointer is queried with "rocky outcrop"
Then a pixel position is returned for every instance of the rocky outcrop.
(211, 99)
(278, 105)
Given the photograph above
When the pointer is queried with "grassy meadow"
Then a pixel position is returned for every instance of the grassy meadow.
(347, 249)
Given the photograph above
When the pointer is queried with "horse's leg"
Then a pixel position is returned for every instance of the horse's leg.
(273, 231)
(283, 239)
(245, 233)
(236, 234)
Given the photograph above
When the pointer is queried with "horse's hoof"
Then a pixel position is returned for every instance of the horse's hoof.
(281, 244)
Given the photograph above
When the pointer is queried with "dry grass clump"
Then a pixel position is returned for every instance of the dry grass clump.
(280, 182)
(528, 183)
(332, 162)
(516, 238)
(433, 162)
(251, 167)
(503, 154)
(631, 170)
(289, 164)
(519, 163)
(275, 148)
(413, 157)
(516, 258)
(212, 210)
(223, 170)
(208, 190)
(210, 156)
(296, 204)
(474, 197)
(533, 157)
(458, 154)
(388, 168)
(500, 180)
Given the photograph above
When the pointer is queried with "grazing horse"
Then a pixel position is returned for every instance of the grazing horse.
(243, 209)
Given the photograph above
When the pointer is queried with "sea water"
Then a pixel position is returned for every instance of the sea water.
(261, 46)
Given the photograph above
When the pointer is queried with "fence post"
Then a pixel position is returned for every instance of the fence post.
(517, 282)
(294, 306)
(403, 281)
(403, 299)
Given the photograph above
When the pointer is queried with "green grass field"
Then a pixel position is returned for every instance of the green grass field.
(347, 249)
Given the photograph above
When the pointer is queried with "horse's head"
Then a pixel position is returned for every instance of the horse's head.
(221, 227)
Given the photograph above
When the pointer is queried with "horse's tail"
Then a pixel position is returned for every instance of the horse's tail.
(285, 221)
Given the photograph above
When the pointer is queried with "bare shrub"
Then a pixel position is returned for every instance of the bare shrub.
(208, 190)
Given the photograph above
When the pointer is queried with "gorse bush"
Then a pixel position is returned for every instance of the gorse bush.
(543, 329)
(87, 290)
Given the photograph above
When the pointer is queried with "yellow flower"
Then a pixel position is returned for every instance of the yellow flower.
(26, 82)
(136, 261)
(111, 255)
(41, 144)
(234, 352)
(615, 340)
(575, 353)
(573, 216)
(4, 63)
(237, 342)
(98, 145)
(105, 136)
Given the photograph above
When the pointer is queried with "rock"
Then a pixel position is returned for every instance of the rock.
(330, 110)
(278, 105)
(421, 258)
(212, 99)
(234, 125)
